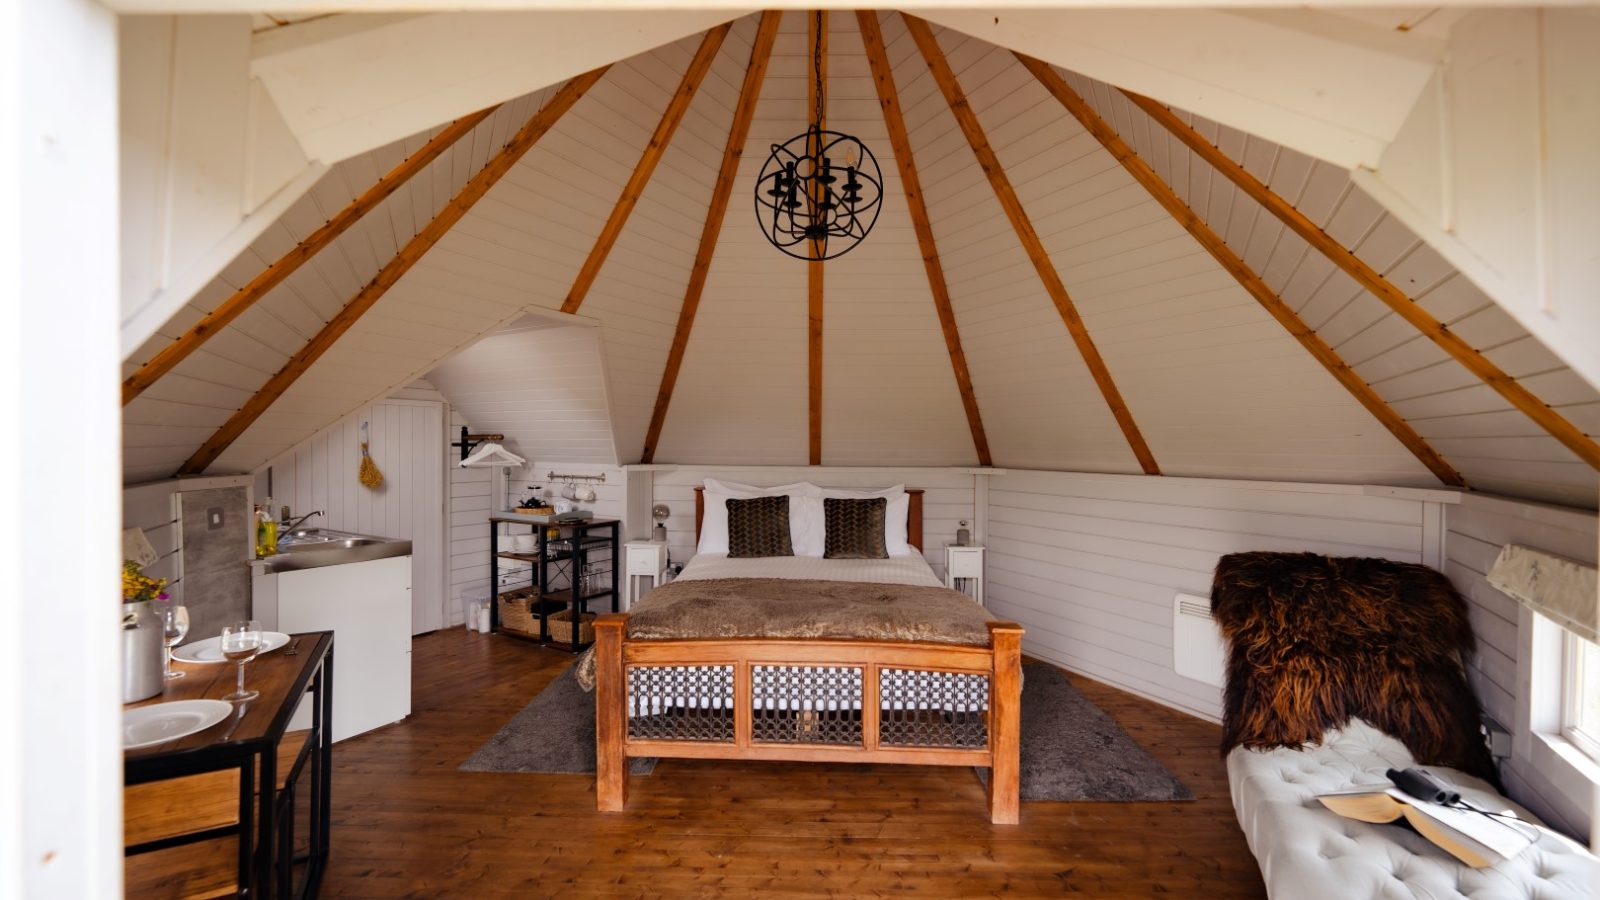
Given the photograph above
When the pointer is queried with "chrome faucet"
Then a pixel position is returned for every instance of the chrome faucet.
(289, 526)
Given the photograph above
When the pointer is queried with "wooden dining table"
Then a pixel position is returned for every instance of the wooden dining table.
(239, 779)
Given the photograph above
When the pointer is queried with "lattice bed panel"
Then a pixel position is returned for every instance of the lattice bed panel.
(680, 703)
(933, 709)
(805, 704)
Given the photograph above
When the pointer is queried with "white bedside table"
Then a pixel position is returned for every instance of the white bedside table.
(642, 559)
(964, 564)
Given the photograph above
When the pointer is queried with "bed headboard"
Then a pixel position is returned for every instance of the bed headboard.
(913, 515)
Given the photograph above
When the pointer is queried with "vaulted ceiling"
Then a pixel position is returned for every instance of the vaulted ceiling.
(1212, 381)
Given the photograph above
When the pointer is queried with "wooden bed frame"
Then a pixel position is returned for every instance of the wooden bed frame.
(999, 663)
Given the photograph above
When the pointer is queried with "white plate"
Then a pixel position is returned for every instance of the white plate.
(210, 649)
(151, 725)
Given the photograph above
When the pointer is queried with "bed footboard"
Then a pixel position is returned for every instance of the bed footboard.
(809, 700)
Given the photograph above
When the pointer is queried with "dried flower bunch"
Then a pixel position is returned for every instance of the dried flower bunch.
(138, 587)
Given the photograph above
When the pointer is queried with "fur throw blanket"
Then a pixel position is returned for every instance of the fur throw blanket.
(794, 608)
(1315, 641)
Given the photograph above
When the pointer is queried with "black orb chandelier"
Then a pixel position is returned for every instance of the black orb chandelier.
(801, 204)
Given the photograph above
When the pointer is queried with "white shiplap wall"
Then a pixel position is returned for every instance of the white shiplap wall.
(1217, 386)
(476, 494)
(1040, 406)
(1478, 527)
(541, 384)
(1089, 564)
(180, 411)
(153, 509)
(471, 501)
(1497, 448)
(888, 391)
(948, 497)
(407, 444)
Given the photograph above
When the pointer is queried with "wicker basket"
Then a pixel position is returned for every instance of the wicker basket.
(516, 612)
(561, 627)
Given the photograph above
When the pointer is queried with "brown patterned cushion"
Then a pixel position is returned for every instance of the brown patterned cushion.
(759, 527)
(854, 528)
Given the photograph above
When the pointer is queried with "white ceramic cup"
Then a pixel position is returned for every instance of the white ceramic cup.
(523, 543)
(586, 494)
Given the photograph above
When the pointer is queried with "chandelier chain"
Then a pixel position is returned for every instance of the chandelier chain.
(819, 192)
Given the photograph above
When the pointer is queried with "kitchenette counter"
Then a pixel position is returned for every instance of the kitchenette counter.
(357, 586)
(317, 547)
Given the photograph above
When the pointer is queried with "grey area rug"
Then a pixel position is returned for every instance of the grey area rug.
(1071, 749)
(552, 735)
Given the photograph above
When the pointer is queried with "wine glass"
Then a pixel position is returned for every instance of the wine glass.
(241, 641)
(174, 625)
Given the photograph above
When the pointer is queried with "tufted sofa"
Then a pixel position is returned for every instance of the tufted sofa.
(1307, 852)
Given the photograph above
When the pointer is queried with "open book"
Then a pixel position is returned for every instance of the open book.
(1474, 838)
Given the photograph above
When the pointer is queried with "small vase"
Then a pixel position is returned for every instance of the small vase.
(142, 645)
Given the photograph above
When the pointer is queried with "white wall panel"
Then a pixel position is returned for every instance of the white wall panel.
(1217, 387)
(1040, 406)
(540, 384)
(1089, 563)
(407, 444)
(1496, 448)
(1477, 529)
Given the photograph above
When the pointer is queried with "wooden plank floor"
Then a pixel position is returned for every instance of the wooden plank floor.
(408, 824)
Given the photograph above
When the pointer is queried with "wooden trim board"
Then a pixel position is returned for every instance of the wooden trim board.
(816, 36)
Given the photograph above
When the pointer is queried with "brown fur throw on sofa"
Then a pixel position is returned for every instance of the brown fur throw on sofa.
(1316, 640)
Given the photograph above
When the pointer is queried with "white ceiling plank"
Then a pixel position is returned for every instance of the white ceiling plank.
(345, 84)
(1340, 90)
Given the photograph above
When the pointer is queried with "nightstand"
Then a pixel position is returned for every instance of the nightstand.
(642, 559)
(964, 564)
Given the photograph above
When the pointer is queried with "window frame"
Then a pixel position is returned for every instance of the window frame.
(1572, 651)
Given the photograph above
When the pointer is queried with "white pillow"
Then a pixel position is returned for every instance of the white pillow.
(896, 539)
(803, 520)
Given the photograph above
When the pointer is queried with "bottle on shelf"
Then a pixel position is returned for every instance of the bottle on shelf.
(266, 531)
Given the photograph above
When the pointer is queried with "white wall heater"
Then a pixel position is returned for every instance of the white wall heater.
(1198, 650)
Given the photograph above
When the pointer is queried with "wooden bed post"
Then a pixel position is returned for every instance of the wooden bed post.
(610, 715)
(1005, 723)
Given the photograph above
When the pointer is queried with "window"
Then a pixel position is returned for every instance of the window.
(1580, 719)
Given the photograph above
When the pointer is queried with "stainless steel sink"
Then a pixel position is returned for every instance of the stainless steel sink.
(314, 547)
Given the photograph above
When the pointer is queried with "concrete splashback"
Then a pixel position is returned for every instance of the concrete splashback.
(216, 571)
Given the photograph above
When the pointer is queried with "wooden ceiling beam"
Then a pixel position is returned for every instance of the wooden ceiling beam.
(749, 92)
(900, 143)
(1247, 278)
(497, 166)
(259, 286)
(653, 151)
(945, 78)
(816, 36)
(1365, 275)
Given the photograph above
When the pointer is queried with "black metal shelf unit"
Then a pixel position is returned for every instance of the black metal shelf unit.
(573, 564)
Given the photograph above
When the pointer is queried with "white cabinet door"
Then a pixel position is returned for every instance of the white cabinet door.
(367, 606)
